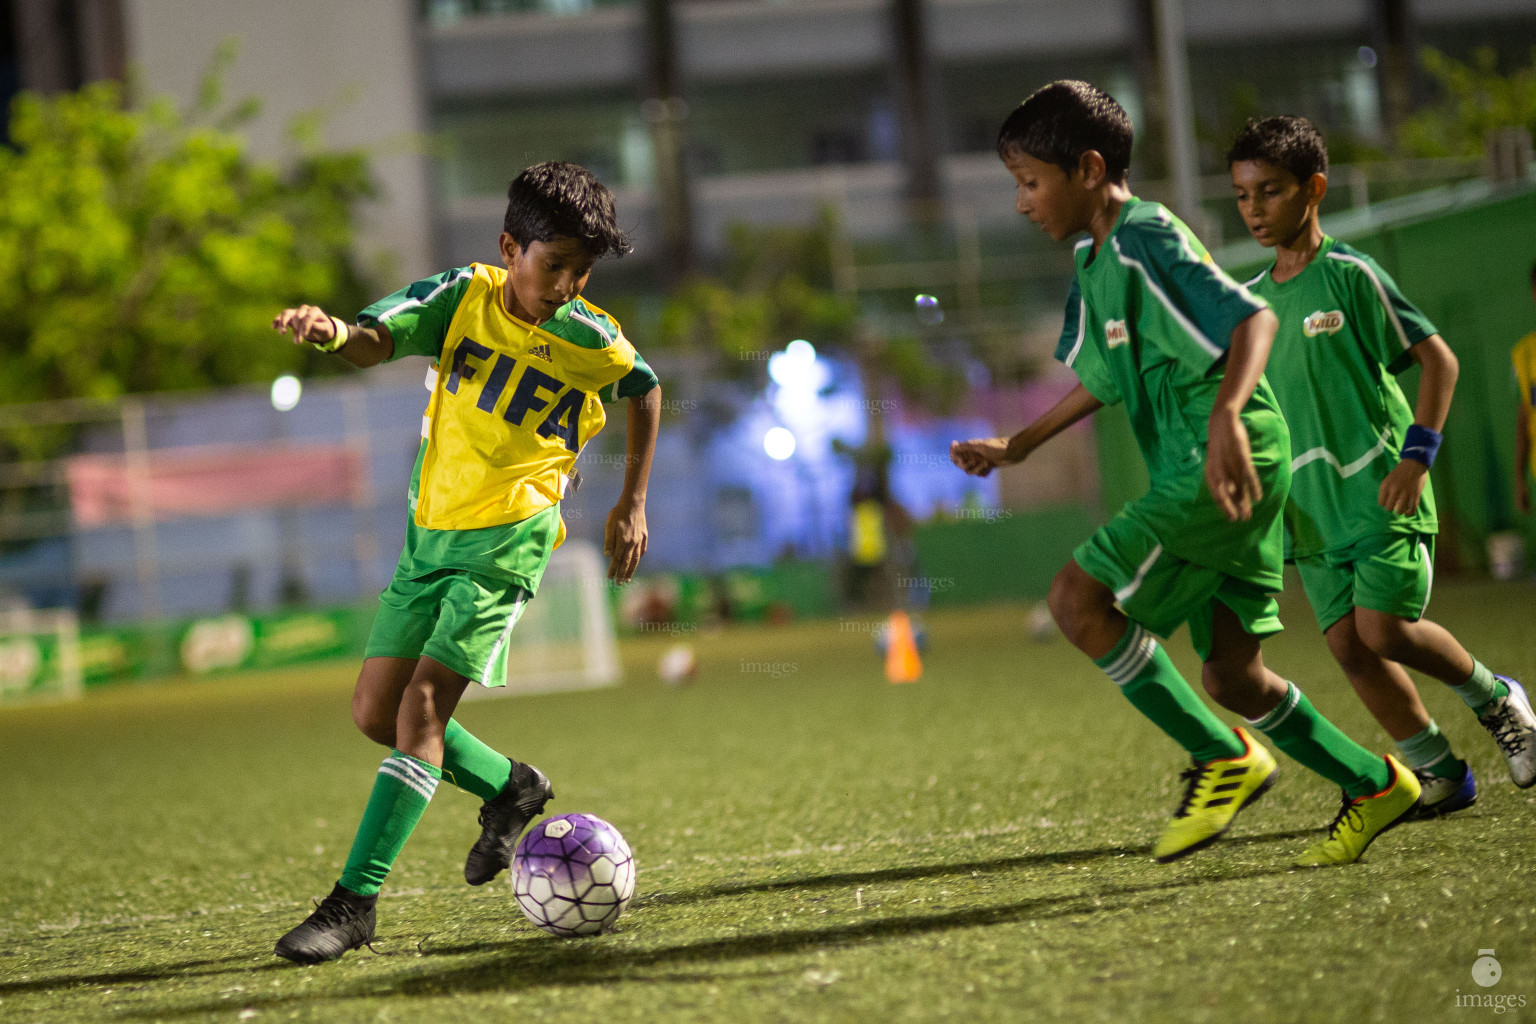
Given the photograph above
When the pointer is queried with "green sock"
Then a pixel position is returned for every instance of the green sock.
(1482, 689)
(1145, 674)
(471, 765)
(1297, 728)
(401, 792)
(1429, 750)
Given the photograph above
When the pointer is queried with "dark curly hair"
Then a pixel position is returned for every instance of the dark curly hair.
(556, 199)
(1060, 122)
(1291, 143)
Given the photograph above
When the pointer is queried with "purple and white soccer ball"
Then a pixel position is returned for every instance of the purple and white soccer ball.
(573, 874)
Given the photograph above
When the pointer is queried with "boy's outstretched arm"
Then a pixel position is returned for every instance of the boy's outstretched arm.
(358, 345)
(1403, 487)
(1229, 468)
(979, 456)
(625, 538)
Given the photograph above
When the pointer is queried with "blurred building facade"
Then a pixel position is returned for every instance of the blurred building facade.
(705, 112)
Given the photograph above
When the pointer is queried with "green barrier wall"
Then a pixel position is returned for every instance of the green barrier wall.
(222, 643)
(1010, 558)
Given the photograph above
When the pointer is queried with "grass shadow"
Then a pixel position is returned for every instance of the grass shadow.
(524, 964)
(876, 876)
(160, 972)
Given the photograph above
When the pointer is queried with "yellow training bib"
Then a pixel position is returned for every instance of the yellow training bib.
(512, 404)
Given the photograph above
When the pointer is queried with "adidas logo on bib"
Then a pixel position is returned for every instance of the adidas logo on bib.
(540, 352)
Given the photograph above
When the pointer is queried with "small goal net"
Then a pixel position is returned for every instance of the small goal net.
(565, 639)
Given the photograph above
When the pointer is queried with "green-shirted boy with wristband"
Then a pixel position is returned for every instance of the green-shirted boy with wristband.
(1360, 522)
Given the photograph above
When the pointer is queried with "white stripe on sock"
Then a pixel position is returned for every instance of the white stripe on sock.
(406, 780)
(1134, 633)
(1146, 649)
(412, 767)
(1283, 709)
(1135, 657)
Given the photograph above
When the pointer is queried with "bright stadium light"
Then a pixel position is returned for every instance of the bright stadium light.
(795, 366)
(779, 443)
(285, 392)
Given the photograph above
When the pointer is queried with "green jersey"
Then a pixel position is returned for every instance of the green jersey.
(1148, 321)
(1345, 332)
(419, 317)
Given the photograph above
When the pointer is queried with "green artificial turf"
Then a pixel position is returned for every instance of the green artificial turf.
(814, 845)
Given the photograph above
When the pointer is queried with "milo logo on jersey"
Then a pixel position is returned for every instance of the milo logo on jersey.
(533, 391)
(1322, 323)
(1116, 333)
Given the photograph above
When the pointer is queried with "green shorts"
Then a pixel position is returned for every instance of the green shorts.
(458, 618)
(1389, 573)
(1161, 590)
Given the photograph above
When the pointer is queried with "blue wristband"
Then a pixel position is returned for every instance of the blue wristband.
(1421, 444)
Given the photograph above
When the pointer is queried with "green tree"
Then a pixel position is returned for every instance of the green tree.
(142, 249)
(1475, 98)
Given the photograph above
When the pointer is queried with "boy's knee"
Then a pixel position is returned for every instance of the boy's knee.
(1072, 600)
(1384, 635)
(1212, 679)
(1348, 649)
(377, 723)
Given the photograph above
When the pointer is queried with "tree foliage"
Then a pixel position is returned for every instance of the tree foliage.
(142, 249)
(1475, 99)
(775, 286)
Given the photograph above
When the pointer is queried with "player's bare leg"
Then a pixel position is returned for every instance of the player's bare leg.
(1234, 674)
(1229, 772)
(1382, 685)
(1422, 645)
(376, 698)
(404, 786)
(1378, 793)
(1385, 689)
(1500, 702)
(426, 705)
(1085, 612)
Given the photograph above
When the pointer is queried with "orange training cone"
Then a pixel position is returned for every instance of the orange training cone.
(902, 665)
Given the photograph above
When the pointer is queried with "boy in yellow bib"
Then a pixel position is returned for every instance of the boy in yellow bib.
(521, 369)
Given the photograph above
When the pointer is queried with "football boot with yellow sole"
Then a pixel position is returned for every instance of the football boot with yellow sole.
(1361, 819)
(1214, 792)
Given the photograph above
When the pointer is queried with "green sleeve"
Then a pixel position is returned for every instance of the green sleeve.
(638, 381)
(1081, 354)
(418, 315)
(1195, 305)
(1387, 324)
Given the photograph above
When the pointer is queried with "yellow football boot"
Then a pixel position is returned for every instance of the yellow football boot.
(1214, 792)
(1362, 819)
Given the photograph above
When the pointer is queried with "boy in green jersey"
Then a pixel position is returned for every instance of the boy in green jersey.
(522, 367)
(1152, 323)
(1360, 524)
